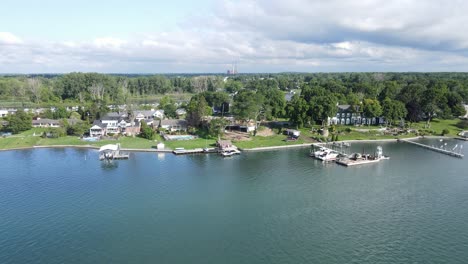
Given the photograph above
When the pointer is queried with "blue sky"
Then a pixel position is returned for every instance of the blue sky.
(85, 19)
(144, 36)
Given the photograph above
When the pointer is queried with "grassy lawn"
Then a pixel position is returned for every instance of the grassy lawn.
(270, 141)
(30, 138)
(437, 125)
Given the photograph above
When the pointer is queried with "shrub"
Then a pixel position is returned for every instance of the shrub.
(348, 130)
(463, 124)
(445, 132)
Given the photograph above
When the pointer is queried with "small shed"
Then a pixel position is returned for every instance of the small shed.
(160, 146)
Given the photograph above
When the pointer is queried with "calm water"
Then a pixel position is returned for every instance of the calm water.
(64, 206)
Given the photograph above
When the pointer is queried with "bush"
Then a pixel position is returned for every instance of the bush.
(445, 132)
(348, 130)
(463, 124)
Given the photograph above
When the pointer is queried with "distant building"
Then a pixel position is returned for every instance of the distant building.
(174, 124)
(346, 115)
(3, 112)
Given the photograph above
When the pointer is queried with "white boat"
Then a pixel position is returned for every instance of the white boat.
(328, 155)
(229, 152)
(318, 152)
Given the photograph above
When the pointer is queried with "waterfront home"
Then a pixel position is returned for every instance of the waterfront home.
(148, 114)
(96, 131)
(347, 115)
(131, 130)
(174, 125)
(46, 122)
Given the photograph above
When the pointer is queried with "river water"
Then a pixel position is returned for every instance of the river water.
(65, 206)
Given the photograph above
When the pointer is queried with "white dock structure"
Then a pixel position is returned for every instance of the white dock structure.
(440, 150)
(111, 152)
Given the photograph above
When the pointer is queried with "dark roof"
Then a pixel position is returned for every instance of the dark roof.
(46, 121)
(173, 122)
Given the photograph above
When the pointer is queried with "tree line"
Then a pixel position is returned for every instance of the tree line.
(411, 96)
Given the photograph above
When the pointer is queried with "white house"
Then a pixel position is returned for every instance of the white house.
(96, 131)
(46, 123)
(347, 116)
(3, 112)
(174, 124)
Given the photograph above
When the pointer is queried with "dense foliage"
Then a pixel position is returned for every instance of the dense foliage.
(412, 96)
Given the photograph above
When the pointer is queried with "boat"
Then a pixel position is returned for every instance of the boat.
(229, 152)
(359, 159)
(318, 153)
(327, 155)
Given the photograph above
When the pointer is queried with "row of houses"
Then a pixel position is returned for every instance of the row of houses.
(125, 124)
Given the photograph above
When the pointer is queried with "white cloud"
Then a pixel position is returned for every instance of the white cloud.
(7, 38)
(274, 35)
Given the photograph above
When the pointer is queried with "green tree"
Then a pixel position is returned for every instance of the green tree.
(196, 110)
(248, 105)
(19, 122)
(296, 110)
(146, 131)
(393, 110)
(322, 107)
(232, 86)
(372, 108)
(217, 126)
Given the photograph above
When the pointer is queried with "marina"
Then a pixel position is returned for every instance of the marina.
(330, 155)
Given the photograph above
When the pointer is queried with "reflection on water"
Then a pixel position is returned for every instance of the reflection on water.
(108, 165)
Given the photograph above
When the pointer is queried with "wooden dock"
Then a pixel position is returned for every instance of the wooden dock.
(194, 151)
(350, 162)
(443, 151)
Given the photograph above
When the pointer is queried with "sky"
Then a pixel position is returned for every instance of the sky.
(186, 36)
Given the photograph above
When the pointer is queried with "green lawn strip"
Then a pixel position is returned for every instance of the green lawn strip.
(437, 125)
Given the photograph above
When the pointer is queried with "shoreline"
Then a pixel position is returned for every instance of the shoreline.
(270, 148)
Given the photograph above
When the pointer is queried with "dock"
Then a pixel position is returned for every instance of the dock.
(350, 162)
(179, 151)
(443, 151)
(112, 152)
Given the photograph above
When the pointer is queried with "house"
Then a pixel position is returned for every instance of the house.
(96, 131)
(181, 112)
(131, 130)
(46, 123)
(3, 112)
(148, 114)
(346, 115)
(174, 124)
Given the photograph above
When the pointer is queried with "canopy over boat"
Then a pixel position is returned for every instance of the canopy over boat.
(109, 147)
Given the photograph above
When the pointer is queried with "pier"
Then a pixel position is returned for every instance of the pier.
(443, 151)
(180, 151)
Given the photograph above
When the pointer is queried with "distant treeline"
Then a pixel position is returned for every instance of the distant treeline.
(422, 94)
